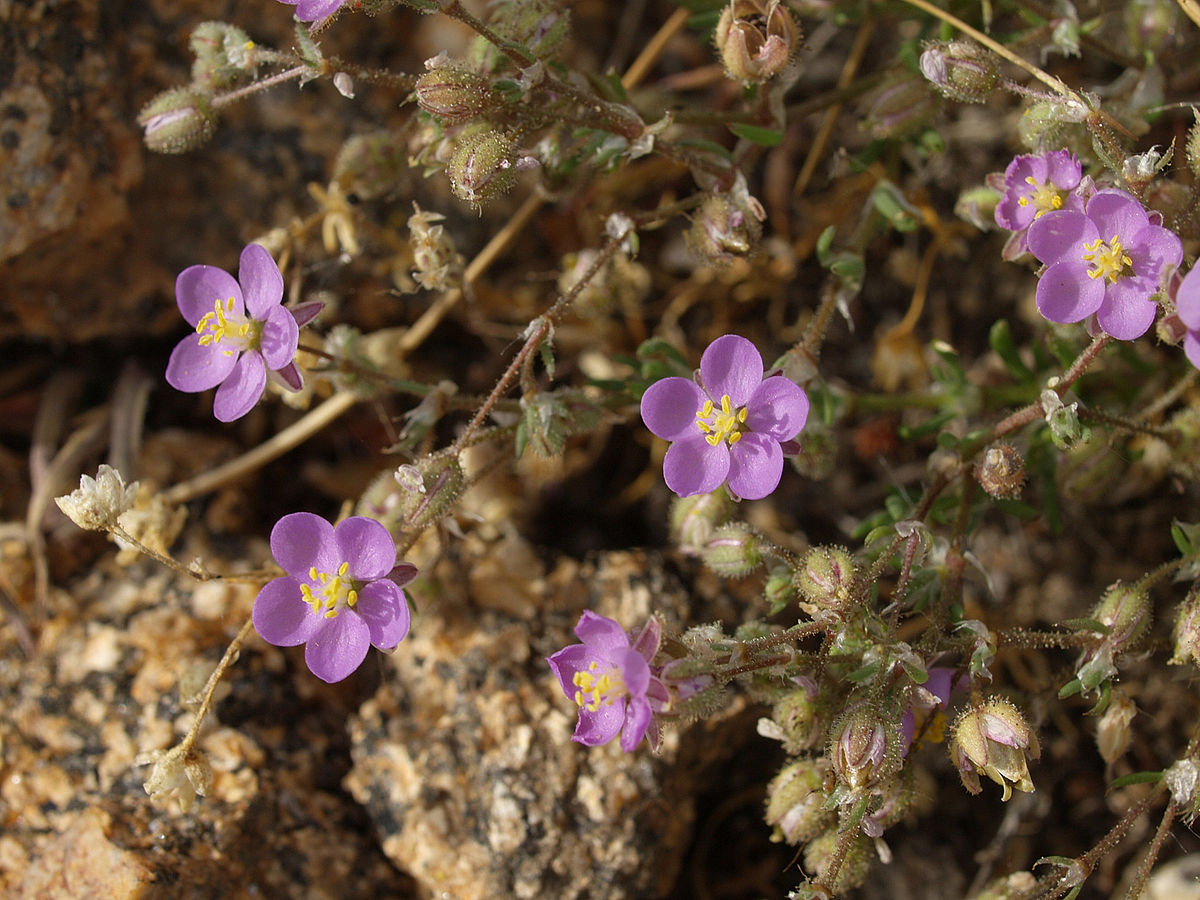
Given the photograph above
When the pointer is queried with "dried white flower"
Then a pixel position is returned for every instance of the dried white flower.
(98, 502)
(180, 772)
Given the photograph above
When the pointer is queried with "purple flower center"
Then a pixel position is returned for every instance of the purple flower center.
(1108, 259)
(1044, 197)
(597, 687)
(332, 593)
(724, 424)
(228, 329)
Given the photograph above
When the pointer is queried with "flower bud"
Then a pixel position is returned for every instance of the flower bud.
(484, 164)
(994, 739)
(694, 519)
(722, 230)
(756, 39)
(1043, 123)
(454, 95)
(1113, 734)
(428, 490)
(799, 718)
(796, 802)
(1187, 632)
(855, 865)
(961, 69)
(177, 120)
(1126, 611)
(1001, 471)
(779, 589)
(734, 551)
(224, 55)
(826, 578)
(899, 108)
(861, 752)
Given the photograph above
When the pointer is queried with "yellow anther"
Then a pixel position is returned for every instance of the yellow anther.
(1045, 197)
(1108, 259)
(593, 691)
(724, 424)
(330, 593)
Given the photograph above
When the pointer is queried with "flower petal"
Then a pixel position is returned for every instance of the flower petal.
(197, 367)
(601, 725)
(731, 365)
(1065, 293)
(1154, 249)
(755, 466)
(240, 391)
(1191, 346)
(1127, 312)
(566, 662)
(384, 608)
(1187, 300)
(637, 720)
(600, 633)
(634, 669)
(280, 338)
(198, 288)
(669, 407)
(314, 10)
(367, 546)
(302, 540)
(693, 466)
(778, 408)
(1061, 236)
(262, 283)
(338, 647)
(1117, 212)
(1063, 169)
(281, 617)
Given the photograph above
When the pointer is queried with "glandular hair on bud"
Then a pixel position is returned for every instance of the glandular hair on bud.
(441, 483)
(482, 166)
(694, 519)
(1001, 471)
(734, 550)
(1126, 610)
(856, 864)
(224, 55)
(177, 120)
(796, 802)
(961, 69)
(454, 95)
(825, 579)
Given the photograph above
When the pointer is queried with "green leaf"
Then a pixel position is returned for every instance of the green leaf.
(767, 137)
(1135, 778)
(867, 671)
(1070, 689)
(1000, 337)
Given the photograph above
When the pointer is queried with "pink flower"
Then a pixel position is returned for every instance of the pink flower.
(727, 427)
(1109, 261)
(341, 595)
(242, 333)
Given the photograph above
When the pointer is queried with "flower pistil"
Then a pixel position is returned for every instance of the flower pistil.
(593, 691)
(724, 424)
(223, 325)
(1045, 197)
(1108, 259)
(335, 592)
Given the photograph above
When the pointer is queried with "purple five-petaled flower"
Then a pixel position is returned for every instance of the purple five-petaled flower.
(341, 593)
(729, 425)
(1109, 260)
(610, 679)
(1034, 185)
(1187, 304)
(242, 333)
(314, 10)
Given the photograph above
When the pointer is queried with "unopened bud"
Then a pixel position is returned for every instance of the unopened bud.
(756, 39)
(779, 590)
(826, 578)
(1126, 610)
(1187, 632)
(796, 802)
(1113, 734)
(694, 519)
(856, 864)
(861, 752)
(961, 69)
(723, 230)
(428, 490)
(484, 164)
(177, 120)
(224, 55)
(1001, 471)
(453, 94)
(799, 718)
(733, 551)
(899, 108)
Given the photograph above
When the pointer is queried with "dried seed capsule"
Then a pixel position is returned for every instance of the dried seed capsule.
(1001, 471)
